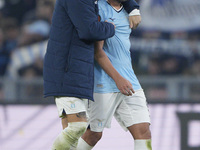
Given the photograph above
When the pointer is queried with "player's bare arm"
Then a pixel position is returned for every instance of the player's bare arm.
(123, 85)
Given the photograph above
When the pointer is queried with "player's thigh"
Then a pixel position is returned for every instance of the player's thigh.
(102, 110)
(71, 109)
(133, 110)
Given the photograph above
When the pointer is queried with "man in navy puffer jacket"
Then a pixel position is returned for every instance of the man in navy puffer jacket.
(68, 65)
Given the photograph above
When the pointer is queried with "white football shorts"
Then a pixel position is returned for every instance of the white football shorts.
(128, 110)
(70, 105)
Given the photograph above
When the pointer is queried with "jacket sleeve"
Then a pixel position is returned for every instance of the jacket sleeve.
(83, 14)
(130, 5)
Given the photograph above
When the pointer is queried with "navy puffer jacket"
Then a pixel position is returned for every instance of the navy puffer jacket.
(68, 63)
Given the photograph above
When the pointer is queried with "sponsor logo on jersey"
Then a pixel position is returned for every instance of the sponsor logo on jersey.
(112, 19)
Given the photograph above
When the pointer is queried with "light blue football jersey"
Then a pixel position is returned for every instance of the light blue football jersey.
(117, 49)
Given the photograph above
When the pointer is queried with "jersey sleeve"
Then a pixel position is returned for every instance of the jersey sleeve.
(84, 16)
(130, 5)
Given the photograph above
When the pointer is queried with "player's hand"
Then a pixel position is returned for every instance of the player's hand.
(124, 86)
(134, 21)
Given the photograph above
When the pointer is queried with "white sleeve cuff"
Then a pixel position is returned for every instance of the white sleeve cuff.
(135, 12)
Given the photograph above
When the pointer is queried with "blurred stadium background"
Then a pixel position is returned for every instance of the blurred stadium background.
(166, 58)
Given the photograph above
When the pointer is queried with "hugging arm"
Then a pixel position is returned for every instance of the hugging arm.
(123, 85)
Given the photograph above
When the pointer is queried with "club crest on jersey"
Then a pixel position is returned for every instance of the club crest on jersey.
(96, 2)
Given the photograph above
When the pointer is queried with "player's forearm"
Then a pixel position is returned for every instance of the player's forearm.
(104, 62)
(123, 85)
(107, 66)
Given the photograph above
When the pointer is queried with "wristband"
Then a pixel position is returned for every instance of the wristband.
(135, 12)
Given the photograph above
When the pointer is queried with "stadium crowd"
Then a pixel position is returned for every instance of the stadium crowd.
(182, 59)
(22, 23)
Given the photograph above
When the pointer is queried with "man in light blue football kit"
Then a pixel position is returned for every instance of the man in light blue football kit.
(117, 90)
